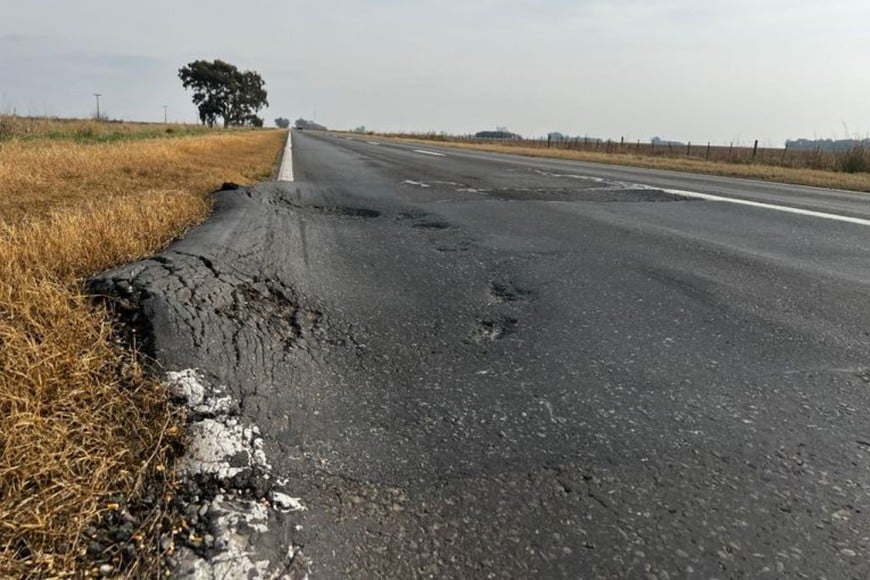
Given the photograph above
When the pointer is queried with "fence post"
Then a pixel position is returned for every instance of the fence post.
(755, 150)
(689, 149)
(708, 151)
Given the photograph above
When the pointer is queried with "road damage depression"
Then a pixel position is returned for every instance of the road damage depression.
(472, 365)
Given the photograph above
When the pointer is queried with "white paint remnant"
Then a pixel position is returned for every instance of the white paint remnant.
(285, 172)
(190, 387)
(570, 176)
(719, 198)
(186, 385)
(373, 143)
(236, 559)
(432, 153)
(771, 206)
(284, 503)
(222, 446)
(416, 183)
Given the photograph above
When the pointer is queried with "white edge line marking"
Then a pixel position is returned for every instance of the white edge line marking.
(429, 153)
(782, 208)
(373, 143)
(285, 172)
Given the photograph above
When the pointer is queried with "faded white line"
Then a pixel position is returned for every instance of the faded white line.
(373, 143)
(285, 173)
(416, 183)
(221, 447)
(424, 152)
(710, 197)
(782, 208)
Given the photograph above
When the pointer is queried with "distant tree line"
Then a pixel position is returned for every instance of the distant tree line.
(502, 135)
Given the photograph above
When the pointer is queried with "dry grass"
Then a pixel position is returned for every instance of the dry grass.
(739, 168)
(89, 130)
(79, 422)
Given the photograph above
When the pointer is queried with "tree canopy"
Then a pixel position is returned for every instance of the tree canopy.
(282, 123)
(222, 90)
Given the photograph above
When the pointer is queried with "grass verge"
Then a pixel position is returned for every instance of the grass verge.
(81, 426)
(90, 130)
(855, 181)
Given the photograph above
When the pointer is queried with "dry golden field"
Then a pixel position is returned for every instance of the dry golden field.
(80, 424)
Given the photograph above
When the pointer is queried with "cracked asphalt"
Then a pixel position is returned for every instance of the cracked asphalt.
(484, 366)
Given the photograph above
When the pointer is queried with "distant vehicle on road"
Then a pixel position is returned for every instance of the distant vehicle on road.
(303, 124)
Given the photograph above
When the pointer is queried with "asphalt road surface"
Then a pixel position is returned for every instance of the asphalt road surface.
(471, 365)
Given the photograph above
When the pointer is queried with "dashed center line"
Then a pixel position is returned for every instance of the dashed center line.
(424, 152)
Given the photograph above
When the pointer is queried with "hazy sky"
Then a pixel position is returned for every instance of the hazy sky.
(718, 70)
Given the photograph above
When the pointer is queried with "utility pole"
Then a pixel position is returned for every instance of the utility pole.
(165, 117)
(98, 95)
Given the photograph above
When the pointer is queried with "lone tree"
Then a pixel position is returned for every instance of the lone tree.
(282, 123)
(222, 90)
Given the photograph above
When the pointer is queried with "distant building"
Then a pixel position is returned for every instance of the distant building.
(660, 141)
(555, 136)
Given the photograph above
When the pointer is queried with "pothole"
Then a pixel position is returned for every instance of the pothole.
(503, 292)
(336, 210)
(275, 309)
(432, 224)
(493, 329)
(346, 211)
(411, 214)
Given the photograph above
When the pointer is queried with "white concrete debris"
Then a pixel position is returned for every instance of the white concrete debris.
(236, 560)
(186, 385)
(284, 503)
(189, 386)
(222, 446)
